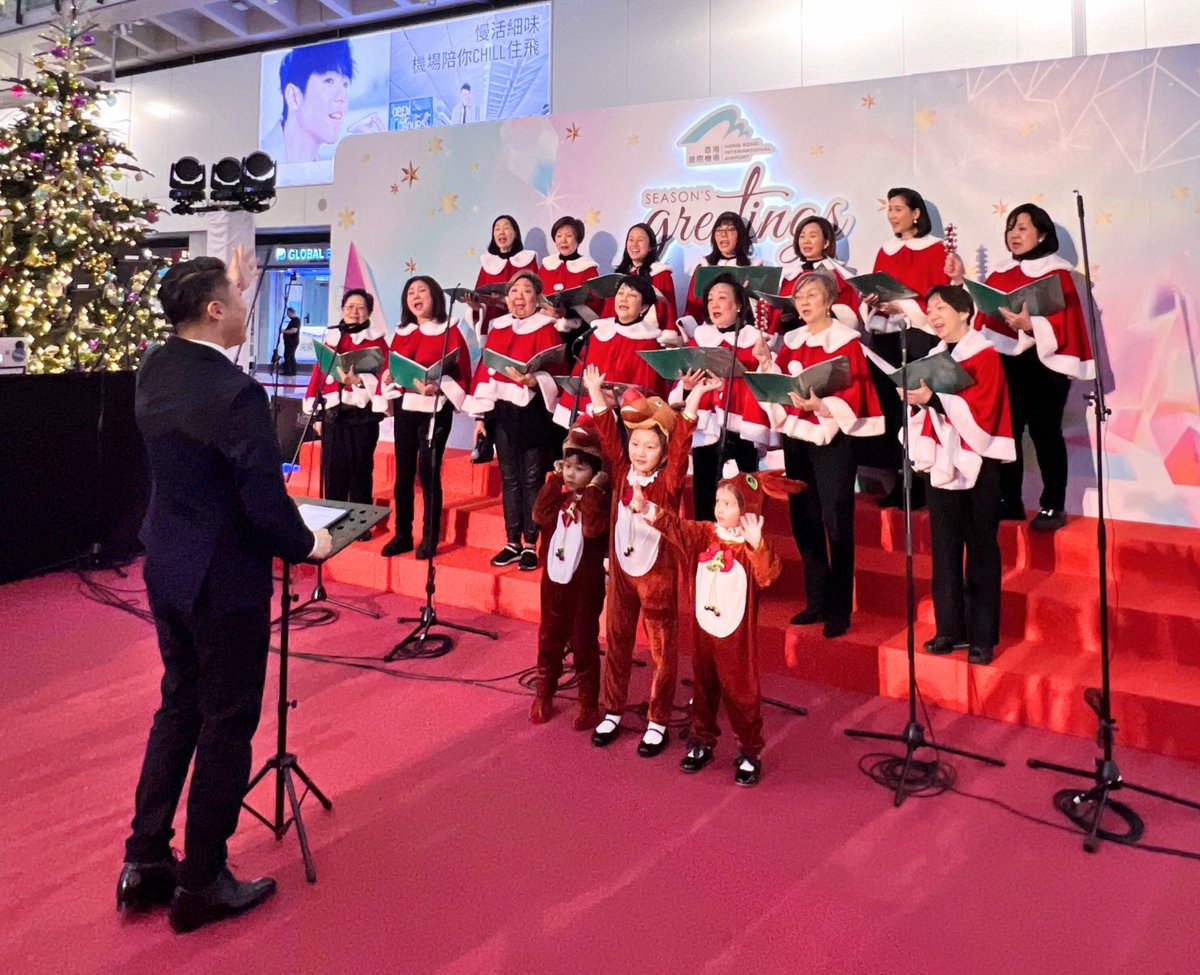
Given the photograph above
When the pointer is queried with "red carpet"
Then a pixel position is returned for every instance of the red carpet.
(465, 841)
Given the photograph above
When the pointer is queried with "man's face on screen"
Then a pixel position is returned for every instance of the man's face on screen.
(321, 109)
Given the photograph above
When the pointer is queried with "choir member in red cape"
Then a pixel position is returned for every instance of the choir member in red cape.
(960, 441)
(728, 323)
(642, 577)
(350, 429)
(818, 449)
(731, 247)
(614, 344)
(568, 269)
(420, 336)
(815, 243)
(918, 259)
(641, 260)
(506, 255)
(732, 562)
(519, 405)
(572, 511)
(1041, 355)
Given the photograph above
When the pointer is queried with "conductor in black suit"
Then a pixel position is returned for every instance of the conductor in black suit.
(218, 513)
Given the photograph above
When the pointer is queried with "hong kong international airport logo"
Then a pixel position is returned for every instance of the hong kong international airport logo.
(723, 136)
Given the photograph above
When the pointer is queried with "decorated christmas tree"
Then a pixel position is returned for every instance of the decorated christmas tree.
(65, 231)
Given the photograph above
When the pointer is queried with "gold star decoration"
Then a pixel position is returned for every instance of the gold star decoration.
(435, 144)
(592, 217)
(1179, 193)
(868, 100)
(449, 202)
(817, 150)
(410, 174)
(366, 157)
(410, 266)
(1038, 198)
(882, 202)
(346, 218)
(470, 252)
(395, 188)
(431, 212)
(925, 119)
(1025, 129)
(1000, 209)
(474, 167)
(633, 139)
(1104, 216)
(573, 132)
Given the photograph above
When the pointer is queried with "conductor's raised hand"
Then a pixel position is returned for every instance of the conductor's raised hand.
(752, 526)
(919, 396)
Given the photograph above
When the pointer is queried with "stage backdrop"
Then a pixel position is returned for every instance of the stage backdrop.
(1124, 129)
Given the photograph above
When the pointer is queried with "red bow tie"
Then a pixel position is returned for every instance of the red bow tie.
(569, 505)
(710, 554)
(627, 494)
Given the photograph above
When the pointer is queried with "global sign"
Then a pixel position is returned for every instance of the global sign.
(301, 255)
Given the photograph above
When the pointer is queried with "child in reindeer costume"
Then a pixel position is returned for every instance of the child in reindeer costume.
(732, 563)
(642, 570)
(572, 512)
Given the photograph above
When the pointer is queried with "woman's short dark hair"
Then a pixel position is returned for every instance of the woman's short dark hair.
(573, 222)
(626, 265)
(583, 457)
(518, 244)
(744, 246)
(914, 201)
(642, 286)
(827, 229)
(438, 313)
(187, 287)
(1042, 224)
(954, 295)
(366, 296)
(532, 278)
(745, 314)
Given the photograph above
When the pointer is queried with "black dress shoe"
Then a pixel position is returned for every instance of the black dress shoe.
(1048, 520)
(981, 655)
(939, 646)
(698, 755)
(529, 560)
(427, 547)
(746, 770)
(834, 628)
(142, 886)
(224, 897)
(1012, 510)
(650, 750)
(602, 738)
(507, 555)
(807, 616)
(397, 545)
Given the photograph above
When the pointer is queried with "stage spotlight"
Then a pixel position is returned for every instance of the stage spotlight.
(225, 180)
(258, 181)
(186, 182)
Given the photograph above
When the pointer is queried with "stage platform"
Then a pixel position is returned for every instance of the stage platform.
(1049, 650)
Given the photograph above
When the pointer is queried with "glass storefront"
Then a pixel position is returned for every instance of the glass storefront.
(296, 276)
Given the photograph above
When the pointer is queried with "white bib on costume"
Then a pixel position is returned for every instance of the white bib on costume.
(720, 597)
(566, 549)
(635, 540)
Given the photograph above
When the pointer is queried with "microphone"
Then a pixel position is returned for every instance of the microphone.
(1079, 202)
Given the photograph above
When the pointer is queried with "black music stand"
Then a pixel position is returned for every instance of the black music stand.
(358, 518)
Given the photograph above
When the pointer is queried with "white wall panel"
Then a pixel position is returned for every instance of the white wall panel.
(1115, 25)
(590, 50)
(755, 48)
(851, 40)
(942, 36)
(668, 48)
(1170, 22)
(1043, 29)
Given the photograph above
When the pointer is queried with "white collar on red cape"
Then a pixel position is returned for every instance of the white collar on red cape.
(794, 269)
(494, 263)
(1037, 268)
(828, 340)
(655, 269)
(893, 246)
(970, 344)
(580, 264)
(523, 326)
(710, 336)
(427, 328)
(609, 328)
(726, 262)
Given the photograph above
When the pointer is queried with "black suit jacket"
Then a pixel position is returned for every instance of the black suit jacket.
(218, 509)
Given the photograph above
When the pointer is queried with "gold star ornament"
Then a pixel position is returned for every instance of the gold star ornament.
(573, 132)
(346, 218)
(410, 174)
(410, 266)
(449, 202)
(435, 144)
(1000, 209)
(868, 100)
(925, 119)
(633, 139)
(817, 150)
(592, 217)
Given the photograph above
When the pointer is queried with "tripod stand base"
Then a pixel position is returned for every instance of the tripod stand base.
(421, 643)
(285, 766)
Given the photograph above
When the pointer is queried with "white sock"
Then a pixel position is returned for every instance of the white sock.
(746, 765)
(609, 724)
(655, 733)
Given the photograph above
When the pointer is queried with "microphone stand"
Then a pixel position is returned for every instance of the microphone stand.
(420, 642)
(319, 593)
(1085, 808)
(915, 775)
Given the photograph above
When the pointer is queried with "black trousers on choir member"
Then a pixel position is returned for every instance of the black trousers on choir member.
(414, 458)
(348, 438)
(823, 521)
(523, 436)
(706, 471)
(966, 598)
(214, 666)
(885, 451)
(1038, 397)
